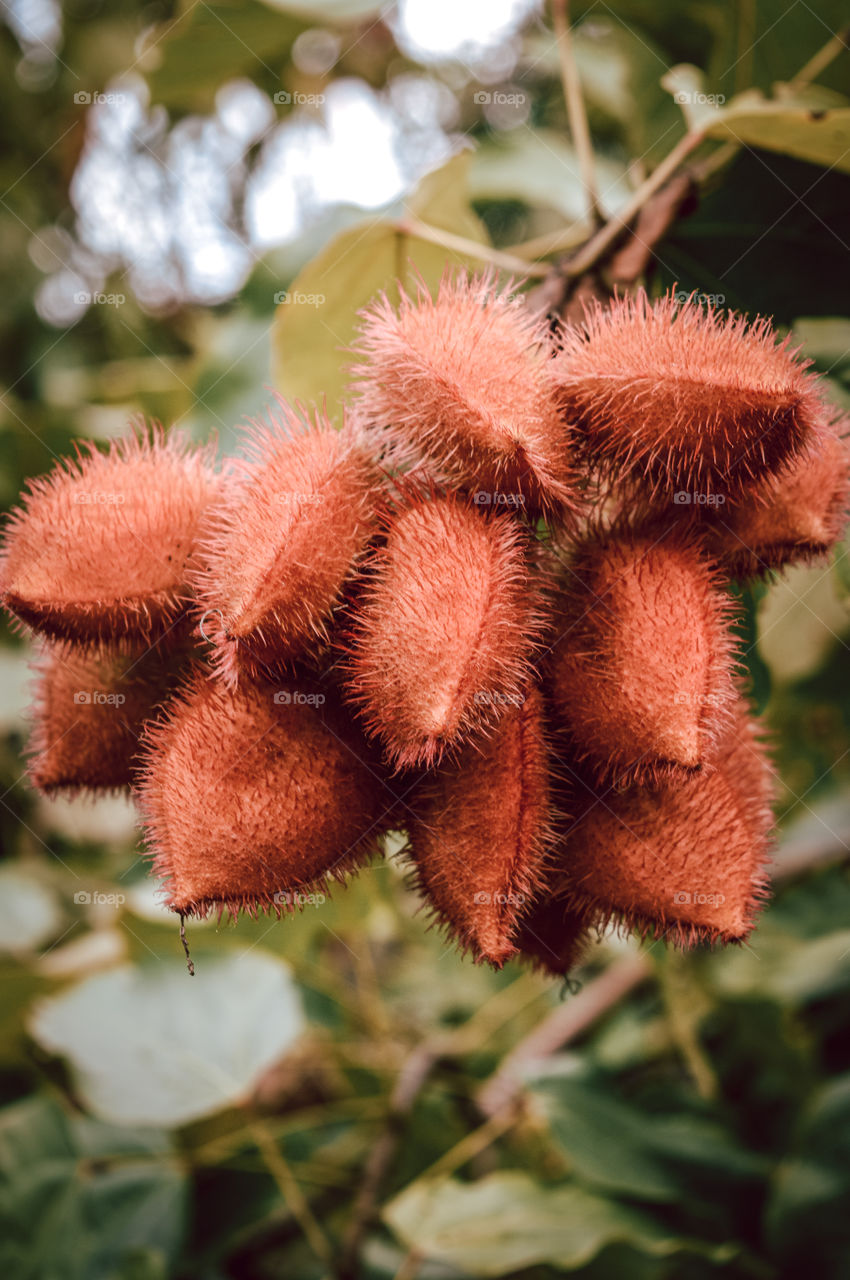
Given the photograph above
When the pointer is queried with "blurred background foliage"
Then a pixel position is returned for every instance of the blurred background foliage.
(195, 201)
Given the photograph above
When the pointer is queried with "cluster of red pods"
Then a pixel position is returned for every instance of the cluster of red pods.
(492, 612)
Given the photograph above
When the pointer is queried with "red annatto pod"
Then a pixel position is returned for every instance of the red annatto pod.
(800, 517)
(465, 383)
(480, 830)
(680, 402)
(680, 861)
(553, 937)
(275, 553)
(444, 625)
(98, 551)
(252, 797)
(89, 712)
(641, 671)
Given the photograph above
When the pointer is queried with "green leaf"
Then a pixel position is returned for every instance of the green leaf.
(151, 1045)
(82, 1200)
(646, 1155)
(786, 968)
(318, 318)
(762, 237)
(213, 41)
(507, 1221)
(806, 1217)
(818, 136)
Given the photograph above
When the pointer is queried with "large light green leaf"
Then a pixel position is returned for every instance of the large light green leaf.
(82, 1200)
(506, 1221)
(819, 136)
(317, 319)
(150, 1045)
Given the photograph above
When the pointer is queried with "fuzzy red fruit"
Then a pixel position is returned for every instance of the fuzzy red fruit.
(801, 517)
(681, 400)
(252, 795)
(552, 936)
(276, 552)
(444, 629)
(465, 381)
(479, 832)
(681, 861)
(642, 671)
(98, 552)
(89, 713)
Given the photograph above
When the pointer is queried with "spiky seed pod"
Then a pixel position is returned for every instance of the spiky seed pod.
(444, 627)
(98, 551)
(681, 861)
(465, 382)
(682, 400)
(552, 936)
(253, 795)
(275, 553)
(479, 831)
(641, 673)
(88, 715)
(801, 516)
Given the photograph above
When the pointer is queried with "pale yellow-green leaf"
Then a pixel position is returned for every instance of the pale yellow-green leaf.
(819, 136)
(507, 1221)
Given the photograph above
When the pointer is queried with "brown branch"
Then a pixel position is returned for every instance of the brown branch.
(563, 1024)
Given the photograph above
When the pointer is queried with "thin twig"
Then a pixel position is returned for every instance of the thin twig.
(575, 109)
(563, 1024)
(598, 245)
(293, 1196)
(550, 242)
(471, 1145)
(820, 61)
(470, 248)
(685, 1010)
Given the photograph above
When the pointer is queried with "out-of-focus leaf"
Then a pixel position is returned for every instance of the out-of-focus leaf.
(150, 1045)
(30, 913)
(81, 1199)
(770, 41)
(826, 339)
(649, 1156)
(807, 1224)
(778, 965)
(819, 137)
(539, 167)
(799, 621)
(317, 319)
(14, 687)
(212, 41)
(764, 238)
(506, 1221)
